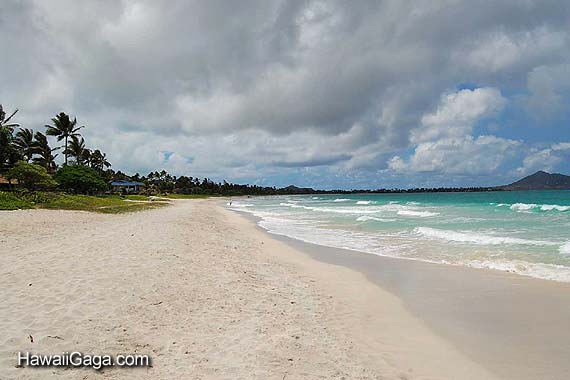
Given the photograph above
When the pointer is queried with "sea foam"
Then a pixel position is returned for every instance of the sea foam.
(523, 206)
(554, 207)
(421, 214)
(532, 206)
(538, 270)
(366, 218)
(453, 233)
(476, 238)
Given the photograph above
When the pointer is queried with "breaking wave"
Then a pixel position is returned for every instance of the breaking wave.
(366, 218)
(475, 238)
(525, 207)
(421, 214)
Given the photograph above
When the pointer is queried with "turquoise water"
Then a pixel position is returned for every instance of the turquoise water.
(523, 232)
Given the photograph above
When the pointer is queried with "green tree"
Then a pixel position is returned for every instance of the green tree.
(77, 149)
(8, 152)
(98, 160)
(31, 176)
(44, 152)
(24, 143)
(63, 128)
(86, 157)
(79, 179)
(4, 120)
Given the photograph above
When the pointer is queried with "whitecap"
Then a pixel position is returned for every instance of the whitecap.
(421, 214)
(523, 206)
(363, 202)
(341, 200)
(554, 207)
(475, 238)
(531, 206)
(344, 210)
(366, 218)
(236, 204)
(565, 248)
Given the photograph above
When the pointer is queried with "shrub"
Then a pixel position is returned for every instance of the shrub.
(79, 179)
(31, 176)
(12, 201)
(36, 197)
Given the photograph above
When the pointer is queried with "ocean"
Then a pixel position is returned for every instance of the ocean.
(525, 232)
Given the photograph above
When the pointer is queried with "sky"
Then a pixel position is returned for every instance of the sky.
(327, 94)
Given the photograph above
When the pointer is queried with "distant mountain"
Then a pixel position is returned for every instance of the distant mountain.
(297, 190)
(541, 181)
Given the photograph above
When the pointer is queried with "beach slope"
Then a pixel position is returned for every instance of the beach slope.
(207, 295)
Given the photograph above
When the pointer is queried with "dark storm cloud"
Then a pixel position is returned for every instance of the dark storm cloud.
(321, 161)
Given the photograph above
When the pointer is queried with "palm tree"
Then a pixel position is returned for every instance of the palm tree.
(4, 120)
(64, 128)
(77, 149)
(24, 142)
(8, 152)
(86, 156)
(45, 152)
(98, 160)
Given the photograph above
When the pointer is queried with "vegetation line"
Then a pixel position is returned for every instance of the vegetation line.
(30, 175)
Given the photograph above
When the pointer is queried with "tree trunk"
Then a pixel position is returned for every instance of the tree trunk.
(65, 152)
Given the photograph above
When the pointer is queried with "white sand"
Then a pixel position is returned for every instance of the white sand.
(207, 295)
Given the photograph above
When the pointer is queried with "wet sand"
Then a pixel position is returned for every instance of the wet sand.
(517, 327)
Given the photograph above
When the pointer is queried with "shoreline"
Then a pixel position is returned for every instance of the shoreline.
(378, 318)
(208, 295)
(503, 320)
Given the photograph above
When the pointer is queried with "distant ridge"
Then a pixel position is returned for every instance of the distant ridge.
(541, 180)
(291, 189)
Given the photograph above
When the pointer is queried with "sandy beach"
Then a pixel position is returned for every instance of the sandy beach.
(209, 296)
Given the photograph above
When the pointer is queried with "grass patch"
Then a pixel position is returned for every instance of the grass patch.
(13, 201)
(136, 197)
(110, 204)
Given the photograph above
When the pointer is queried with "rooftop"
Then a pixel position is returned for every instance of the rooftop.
(126, 183)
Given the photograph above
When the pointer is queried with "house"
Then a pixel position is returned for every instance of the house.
(122, 186)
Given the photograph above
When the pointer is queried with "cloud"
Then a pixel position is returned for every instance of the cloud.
(288, 90)
(461, 156)
(499, 50)
(444, 142)
(457, 113)
(544, 159)
(308, 162)
(549, 87)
